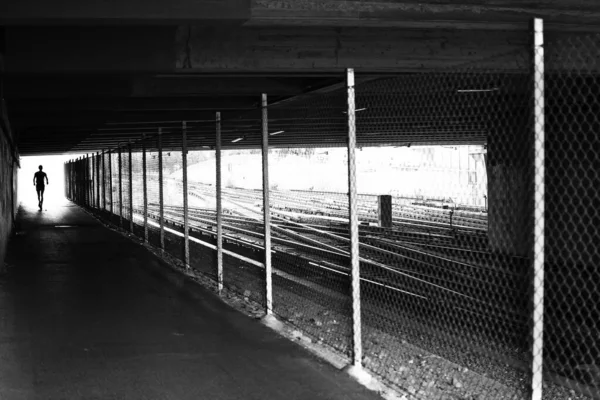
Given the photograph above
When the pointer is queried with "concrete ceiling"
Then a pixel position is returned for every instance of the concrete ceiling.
(81, 78)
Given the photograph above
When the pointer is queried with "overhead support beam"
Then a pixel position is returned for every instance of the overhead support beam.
(107, 86)
(332, 49)
(500, 14)
(128, 104)
(201, 49)
(30, 12)
(271, 50)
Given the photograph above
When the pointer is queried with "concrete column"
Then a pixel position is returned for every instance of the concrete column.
(510, 173)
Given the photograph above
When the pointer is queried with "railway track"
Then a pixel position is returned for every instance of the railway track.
(431, 267)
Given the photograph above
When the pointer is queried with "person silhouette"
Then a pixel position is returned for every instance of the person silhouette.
(38, 182)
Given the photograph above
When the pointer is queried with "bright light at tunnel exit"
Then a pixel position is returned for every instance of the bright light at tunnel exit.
(54, 194)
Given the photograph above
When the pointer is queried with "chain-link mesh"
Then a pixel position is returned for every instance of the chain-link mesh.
(476, 206)
(125, 187)
(571, 310)
(173, 193)
(137, 189)
(152, 188)
(242, 202)
(309, 211)
(107, 191)
(202, 209)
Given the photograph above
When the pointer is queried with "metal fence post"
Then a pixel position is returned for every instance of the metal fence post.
(98, 180)
(186, 237)
(130, 173)
(78, 180)
(91, 181)
(103, 181)
(161, 201)
(353, 225)
(110, 183)
(219, 205)
(88, 180)
(83, 182)
(539, 222)
(86, 165)
(145, 179)
(120, 188)
(266, 207)
(71, 187)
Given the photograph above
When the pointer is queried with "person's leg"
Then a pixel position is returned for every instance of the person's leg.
(42, 194)
(37, 189)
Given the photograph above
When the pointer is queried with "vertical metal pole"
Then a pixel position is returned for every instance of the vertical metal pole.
(266, 207)
(145, 177)
(98, 204)
(539, 222)
(353, 223)
(74, 176)
(186, 238)
(88, 181)
(73, 183)
(103, 180)
(83, 178)
(71, 196)
(95, 180)
(78, 182)
(88, 197)
(161, 200)
(130, 188)
(91, 181)
(76, 179)
(219, 205)
(82, 181)
(120, 189)
(110, 183)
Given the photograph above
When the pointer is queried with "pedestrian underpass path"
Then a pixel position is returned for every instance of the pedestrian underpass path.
(81, 318)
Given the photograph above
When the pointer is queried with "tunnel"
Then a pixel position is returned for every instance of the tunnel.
(269, 199)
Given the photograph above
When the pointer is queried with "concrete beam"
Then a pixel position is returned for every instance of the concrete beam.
(30, 12)
(272, 50)
(55, 86)
(73, 50)
(197, 49)
(140, 104)
(478, 14)
(474, 14)
(334, 49)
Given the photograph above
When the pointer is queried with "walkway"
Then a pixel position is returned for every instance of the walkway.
(80, 318)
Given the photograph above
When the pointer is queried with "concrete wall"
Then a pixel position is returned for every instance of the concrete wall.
(8, 186)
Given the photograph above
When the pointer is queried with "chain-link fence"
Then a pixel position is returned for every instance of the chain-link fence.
(437, 229)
